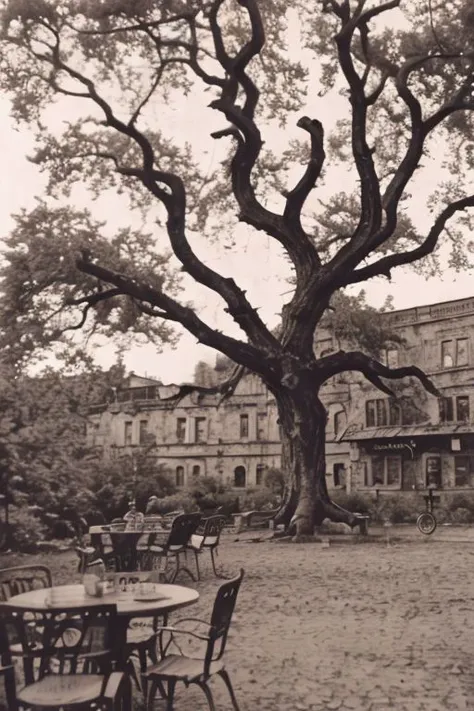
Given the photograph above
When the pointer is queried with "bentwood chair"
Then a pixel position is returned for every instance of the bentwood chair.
(207, 538)
(23, 578)
(179, 667)
(72, 667)
(174, 545)
(7, 670)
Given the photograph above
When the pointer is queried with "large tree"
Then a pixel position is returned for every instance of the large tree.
(406, 71)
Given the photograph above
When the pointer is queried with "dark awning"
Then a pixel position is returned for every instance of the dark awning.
(352, 435)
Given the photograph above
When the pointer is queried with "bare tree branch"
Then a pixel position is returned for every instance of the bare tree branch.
(372, 370)
(383, 266)
(244, 353)
(224, 389)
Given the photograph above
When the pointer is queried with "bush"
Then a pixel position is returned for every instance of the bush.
(205, 485)
(275, 480)
(259, 500)
(459, 501)
(354, 501)
(175, 502)
(209, 502)
(26, 530)
(462, 515)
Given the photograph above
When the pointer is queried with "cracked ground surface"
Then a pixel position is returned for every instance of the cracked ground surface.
(373, 626)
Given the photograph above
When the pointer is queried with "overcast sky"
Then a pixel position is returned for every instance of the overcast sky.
(255, 262)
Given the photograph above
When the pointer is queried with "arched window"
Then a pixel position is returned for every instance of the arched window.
(239, 477)
(179, 476)
(196, 470)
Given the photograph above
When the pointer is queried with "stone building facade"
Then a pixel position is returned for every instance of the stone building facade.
(374, 442)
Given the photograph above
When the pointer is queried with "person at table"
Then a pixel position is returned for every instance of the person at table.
(152, 505)
(134, 519)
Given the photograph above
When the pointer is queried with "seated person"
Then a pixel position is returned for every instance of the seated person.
(135, 519)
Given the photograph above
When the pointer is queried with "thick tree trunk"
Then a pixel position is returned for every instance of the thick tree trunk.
(306, 501)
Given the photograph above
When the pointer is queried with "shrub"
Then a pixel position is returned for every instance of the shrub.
(259, 499)
(175, 502)
(353, 501)
(460, 501)
(462, 515)
(205, 485)
(275, 480)
(227, 501)
(26, 530)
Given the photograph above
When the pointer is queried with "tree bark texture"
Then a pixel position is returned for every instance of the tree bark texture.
(306, 501)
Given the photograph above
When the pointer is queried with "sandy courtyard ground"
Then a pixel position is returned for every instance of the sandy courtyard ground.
(369, 626)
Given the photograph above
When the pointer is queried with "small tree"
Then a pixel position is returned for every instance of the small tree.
(402, 88)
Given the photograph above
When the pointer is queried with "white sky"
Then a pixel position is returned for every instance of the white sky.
(256, 264)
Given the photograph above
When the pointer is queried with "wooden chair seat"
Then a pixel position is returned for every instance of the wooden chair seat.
(62, 690)
(187, 669)
(140, 632)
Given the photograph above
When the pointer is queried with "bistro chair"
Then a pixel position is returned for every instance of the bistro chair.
(207, 538)
(73, 664)
(7, 670)
(23, 578)
(179, 667)
(174, 545)
(141, 632)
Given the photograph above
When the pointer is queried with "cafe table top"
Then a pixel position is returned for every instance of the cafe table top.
(170, 598)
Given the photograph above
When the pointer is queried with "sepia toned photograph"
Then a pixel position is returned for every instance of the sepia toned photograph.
(236, 303)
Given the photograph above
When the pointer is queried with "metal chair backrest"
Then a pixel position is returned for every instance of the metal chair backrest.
(211, 530)
(23, 578)
(221, 617)
(182, 529)
(71, 640)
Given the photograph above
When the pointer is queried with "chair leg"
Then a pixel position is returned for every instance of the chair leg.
(143, 680)
(225, 677)
(202, 685)
(214, 563)
(151, 693)
(196, 555)
(170, 695)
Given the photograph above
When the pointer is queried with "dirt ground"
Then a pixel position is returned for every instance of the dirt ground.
(384, 624)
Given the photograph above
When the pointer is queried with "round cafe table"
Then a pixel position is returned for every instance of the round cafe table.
(62, 597)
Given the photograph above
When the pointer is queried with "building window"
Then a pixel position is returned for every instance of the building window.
(181, 429)
(462, 408)
(259, 474)
(455, 353)
(462, 351)
(244, 426)
(200, 429)
(461, 471)
(382, 412)
(454, 409)
(239, 477)
(447, 354)
(433, 472)
(261, 425)
(179, 477)
(446, 412)
(143, 431)
(339, 474)
(389, 357)
(385, 471)
(128, 433)
(196, 470)
(340, 421)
